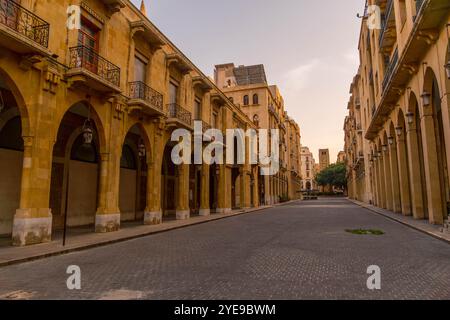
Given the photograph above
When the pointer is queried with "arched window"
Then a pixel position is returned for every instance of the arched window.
(246, 100)
(255, 99)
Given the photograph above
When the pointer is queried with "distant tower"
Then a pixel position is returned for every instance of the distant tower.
(324, 158)
(143, 9)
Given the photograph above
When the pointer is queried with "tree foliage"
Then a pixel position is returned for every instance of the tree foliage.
(335, 175)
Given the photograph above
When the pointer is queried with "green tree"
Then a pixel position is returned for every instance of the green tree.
(335, 175)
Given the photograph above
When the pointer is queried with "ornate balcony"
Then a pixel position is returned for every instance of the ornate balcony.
(388, 35)
(390, 69)
(93, 71)
(144, 98)
(114, 6)
(178, 116)
(22, 30)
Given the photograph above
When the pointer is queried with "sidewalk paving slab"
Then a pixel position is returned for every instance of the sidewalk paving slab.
(419, 225)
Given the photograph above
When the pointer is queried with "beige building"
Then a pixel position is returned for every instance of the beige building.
(86, 118)
(341, 157)
(308, 171)
(398, 126)
(247, 87)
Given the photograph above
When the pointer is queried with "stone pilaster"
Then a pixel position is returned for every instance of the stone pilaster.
(403, 176)
(33, 220)
(183, 211)
(204, 187)
(414, 174)
(397, 203)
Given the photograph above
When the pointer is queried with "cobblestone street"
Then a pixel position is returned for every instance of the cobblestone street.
(297, 251)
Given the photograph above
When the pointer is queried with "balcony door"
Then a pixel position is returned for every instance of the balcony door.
(140, 69)
(173, 92)
(88, 37)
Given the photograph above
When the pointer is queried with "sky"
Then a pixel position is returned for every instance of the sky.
(309, 49)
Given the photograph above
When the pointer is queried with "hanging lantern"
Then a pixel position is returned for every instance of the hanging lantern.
(141, 150)
(2, 103)
(391, 140)
(88, 132)
(410, 117)
(380, 154)
(426, 98)
(399, 131)
(385, 148)
(447, 69)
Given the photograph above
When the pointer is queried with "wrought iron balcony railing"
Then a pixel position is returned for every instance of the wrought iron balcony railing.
(385, 20)
(419, 5)
(177, 112)
(25, 22)
(86, 58)
(139, 90)
(390, 69)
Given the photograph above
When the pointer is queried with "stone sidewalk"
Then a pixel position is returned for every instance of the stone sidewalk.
(420, 225)
(13, 255)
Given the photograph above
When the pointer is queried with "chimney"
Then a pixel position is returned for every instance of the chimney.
(143, 10)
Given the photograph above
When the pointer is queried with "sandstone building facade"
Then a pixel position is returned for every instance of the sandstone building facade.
(308, 171)
(397, 132)
(247, 87)
(86, 118)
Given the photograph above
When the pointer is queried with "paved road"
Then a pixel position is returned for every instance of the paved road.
(297, 251)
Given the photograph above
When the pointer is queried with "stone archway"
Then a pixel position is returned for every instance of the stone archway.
(11, 157)
(133, 174)
(416, 160)
(74, 189)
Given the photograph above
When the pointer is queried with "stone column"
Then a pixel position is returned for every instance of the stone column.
(223, 196)
(414, 174)
(434, 195)
(107, 218)
(381, 182)
(403, 176)
(388, 180)
(255, 187)
(204, 189)
(153, 211)
(183, 212)
(33, 220)
(397, 203)
(244, 188)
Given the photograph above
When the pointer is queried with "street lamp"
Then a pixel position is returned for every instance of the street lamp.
(410, 117)
(399, 131)
(426, 98)
(391, 140)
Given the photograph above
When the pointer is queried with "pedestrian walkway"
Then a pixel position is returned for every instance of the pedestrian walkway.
(83, 239)
(420, 225)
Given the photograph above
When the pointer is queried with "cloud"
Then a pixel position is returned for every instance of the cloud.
(298, 78)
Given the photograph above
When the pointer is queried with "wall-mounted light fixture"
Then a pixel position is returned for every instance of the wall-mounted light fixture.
(447, 66)
(141, 149)
(391, 140)
(399, 131)
(385, 148)
(410, 117)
